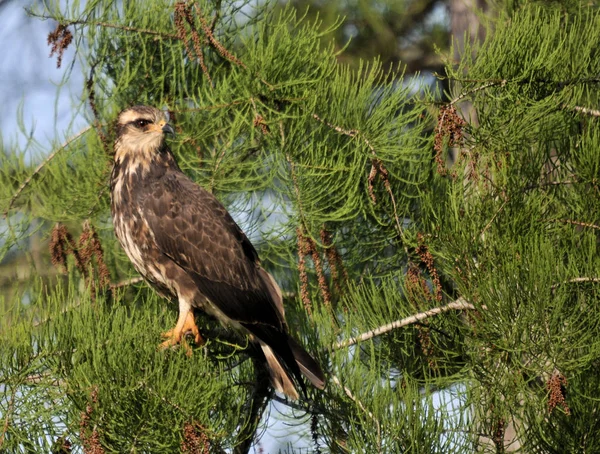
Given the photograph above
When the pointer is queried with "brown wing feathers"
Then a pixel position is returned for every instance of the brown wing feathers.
(224, 267)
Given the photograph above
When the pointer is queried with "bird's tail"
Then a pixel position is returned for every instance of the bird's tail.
(284, 372)
(307, 364)
(280, 378)
(281, 375)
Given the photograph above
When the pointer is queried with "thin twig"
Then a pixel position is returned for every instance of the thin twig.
(36, 379)
(144, 385)
(217, 9)
(208, 31)
(89, 85)
(63, 311)
(126, 282)
(347, 391)
(100, 195)
(579, 223)
(463, 95)
(458, 305)
(393, 199)
(109, 25)
(43, 164)
(550, 183)
(214, 106)
(214, 173)
(184, 11)
(348, 132)
(576, 280)
(376, 165)
(488, 225)
(301, 230)
(290, 403)
(259, 400)
(584, 110)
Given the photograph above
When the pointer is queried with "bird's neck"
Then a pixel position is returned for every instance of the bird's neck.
(144, 162)
(134, 170)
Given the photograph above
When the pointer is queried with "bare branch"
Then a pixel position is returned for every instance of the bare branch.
(68, 23)
(463, 95)
(576, 280)
(488, 225)
(458, 305)
(50, 157)
(126, 282)
(579, 223)
(584, 110)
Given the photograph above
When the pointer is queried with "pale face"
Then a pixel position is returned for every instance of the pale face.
(141, 129)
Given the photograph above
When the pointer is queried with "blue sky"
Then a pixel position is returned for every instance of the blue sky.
(30, 80)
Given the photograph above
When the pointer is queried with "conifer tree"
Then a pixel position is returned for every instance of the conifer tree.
(446, 302)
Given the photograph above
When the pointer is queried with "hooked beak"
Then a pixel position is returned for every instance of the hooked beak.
(168, 129)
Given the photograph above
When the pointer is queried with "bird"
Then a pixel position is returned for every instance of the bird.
(187, 246)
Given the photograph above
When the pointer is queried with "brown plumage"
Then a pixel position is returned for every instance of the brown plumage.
(186, 245)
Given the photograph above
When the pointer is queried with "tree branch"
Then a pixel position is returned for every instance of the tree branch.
(9, 410)
(126, 282)
(489, 224)
(463, 95)
(579, 223)
(576, 280)
(68, 23)
(458, 305)
(584, 110)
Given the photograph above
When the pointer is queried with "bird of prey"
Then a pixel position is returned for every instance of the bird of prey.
(186, 245)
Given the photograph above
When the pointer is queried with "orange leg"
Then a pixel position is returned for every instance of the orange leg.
(185, 324)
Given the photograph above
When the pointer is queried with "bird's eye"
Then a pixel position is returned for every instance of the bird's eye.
(141, 123)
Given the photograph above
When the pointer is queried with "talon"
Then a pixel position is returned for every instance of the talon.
(176, 335)
(167, 334)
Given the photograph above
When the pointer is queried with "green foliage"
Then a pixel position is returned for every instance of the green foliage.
(523, 235)
(340, 179)
(399, 32)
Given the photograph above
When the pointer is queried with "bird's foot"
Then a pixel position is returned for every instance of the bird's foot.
(176, 335)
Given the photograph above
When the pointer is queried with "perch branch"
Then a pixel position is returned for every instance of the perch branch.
(576, 280)
(458, 305)
(585, 110)
(579, 223)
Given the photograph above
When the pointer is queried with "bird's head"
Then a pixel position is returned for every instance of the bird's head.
(141, 130)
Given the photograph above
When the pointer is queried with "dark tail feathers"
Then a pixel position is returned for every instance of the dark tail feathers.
(308, 366)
